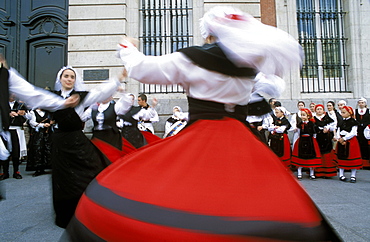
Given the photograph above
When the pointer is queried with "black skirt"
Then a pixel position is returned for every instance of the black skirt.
(75, 162)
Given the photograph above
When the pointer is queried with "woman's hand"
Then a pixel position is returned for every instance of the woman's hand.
(72, 101)
(154, 102)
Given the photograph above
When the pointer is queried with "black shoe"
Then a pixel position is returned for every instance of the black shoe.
(38, 173)
(342, 178)
(17, 175)
(4, 176)
(299, 177)
(353, 179)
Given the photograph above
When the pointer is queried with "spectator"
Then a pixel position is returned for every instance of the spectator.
(348, 150)
(176, 122)
(279, 141)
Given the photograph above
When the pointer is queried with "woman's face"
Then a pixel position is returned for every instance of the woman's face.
(300, 105)
(340, 106)
(361, 104)
(319, 111)
(330, 106)
(345, 113)
(68, 79)
(312, 107)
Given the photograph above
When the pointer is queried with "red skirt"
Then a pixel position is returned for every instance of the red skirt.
(149, 137)
(349, 156)
(328, 167)
(366, 163)
(307, 162)
(214, 181)
(111, 152)
(282, 148)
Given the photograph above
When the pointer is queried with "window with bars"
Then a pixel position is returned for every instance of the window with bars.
(320, 26)
(166, 26)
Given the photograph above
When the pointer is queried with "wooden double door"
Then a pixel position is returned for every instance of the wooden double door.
(33, 37)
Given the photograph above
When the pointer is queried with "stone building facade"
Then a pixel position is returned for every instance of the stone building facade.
(95, 27)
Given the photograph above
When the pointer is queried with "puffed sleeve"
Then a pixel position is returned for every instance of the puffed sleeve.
(33, 96)
(167, 69)
(367, 132)
(123, 104)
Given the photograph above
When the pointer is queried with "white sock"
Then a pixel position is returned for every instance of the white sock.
(299, 171)
(312, 171)
(341, 172)
(353, 173)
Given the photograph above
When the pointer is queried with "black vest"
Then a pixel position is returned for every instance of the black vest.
(110, 118)
(348, 124)
(4, 98)
(67, 119)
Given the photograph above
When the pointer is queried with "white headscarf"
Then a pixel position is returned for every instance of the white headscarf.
(78, 86)
(283, 110)
(342, 102)
(362, 99)
(249, 43)
(178, 107)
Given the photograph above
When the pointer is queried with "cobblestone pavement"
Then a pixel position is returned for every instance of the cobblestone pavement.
(27, 214)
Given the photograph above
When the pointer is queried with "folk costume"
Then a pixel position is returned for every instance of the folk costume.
(279, 141)
(106, 135)
(40, 142)
(325, 141)
(17, 138)
(12, 82)
(176, 122)
(75, 160)
(263, 121)
(129, 125)
(192, 197)
(367, 136)
(146, 117)
(294, 121)
(306, 152)
(348, 156)
(362, 116)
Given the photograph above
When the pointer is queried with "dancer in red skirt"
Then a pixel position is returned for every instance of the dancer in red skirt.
(279, 141)
(326, 126)
(106, 135)
(306, 152)
(348, 150)
(215, 180)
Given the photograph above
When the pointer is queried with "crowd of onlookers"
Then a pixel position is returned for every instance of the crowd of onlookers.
(320, 138)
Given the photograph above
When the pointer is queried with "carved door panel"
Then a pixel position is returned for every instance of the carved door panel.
(7, 28)
(37, 45)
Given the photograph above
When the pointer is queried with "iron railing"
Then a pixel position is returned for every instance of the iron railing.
(321, 34)
(166, 27)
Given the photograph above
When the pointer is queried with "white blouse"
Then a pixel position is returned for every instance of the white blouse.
(347, 135)
(198, 82)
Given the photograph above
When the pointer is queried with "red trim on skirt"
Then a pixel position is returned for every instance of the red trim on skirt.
(328, 167)
(287, 156)
(149, 137)
(354, 160)
(313, 162)
(111, 152)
